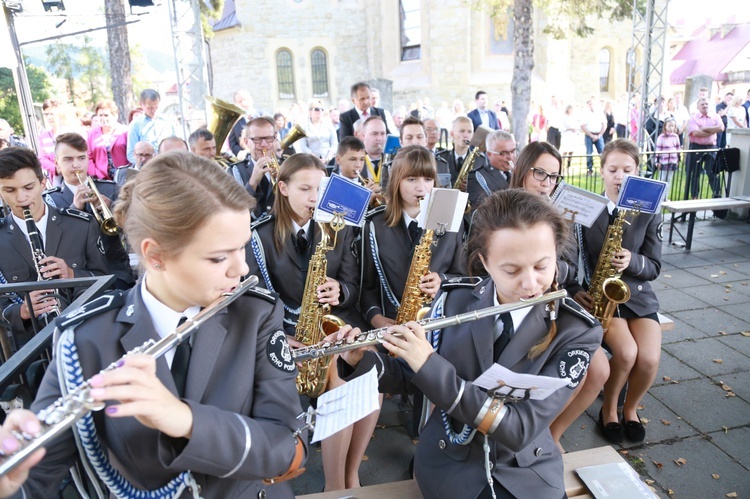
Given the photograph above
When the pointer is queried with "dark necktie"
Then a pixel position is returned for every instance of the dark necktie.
(180, 362)
(375, 165)
(502, 341)
(613, 215)
(459, 163)
(414, 232)
(301, 242)
(507, 176)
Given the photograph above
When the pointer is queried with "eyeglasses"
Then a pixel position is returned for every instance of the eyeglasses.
(317, 109)
(431, 130)
(542, 175)
(260, 140)
(144, 155)
(505, 154)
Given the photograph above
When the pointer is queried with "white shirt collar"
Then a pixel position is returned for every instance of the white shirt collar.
(41, 225)
(165, 319)
(610, 206)
(71, 188)
(517, 316)
(408, 219)
(305, 227)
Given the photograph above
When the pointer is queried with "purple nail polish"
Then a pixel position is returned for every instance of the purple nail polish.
(112, 409)
(120, 363)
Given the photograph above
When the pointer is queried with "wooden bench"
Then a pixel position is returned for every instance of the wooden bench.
(692, 206)
(408, 489)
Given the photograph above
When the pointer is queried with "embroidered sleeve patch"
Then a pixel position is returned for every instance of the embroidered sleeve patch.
(573, 366)
(279, 353)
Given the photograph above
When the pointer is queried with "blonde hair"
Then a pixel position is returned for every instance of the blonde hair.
(175, 197)
(410, 161)
(282, 210)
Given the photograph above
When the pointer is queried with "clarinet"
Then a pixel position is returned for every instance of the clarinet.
(65, 411)
(375, 336)
(37, 254)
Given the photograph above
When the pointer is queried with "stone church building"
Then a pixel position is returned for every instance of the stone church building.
(286, 51)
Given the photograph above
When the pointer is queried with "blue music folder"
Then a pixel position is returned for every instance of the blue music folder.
(641, 194)
(343, 197)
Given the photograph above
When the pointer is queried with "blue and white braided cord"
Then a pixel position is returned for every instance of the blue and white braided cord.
(88, 439)
(381, 275)
(237, 176)
(466, 434)
(260, 258)
(483, 184)
(13, 296)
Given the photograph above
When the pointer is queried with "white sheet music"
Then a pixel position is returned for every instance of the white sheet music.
(345, 405)
(541, 386)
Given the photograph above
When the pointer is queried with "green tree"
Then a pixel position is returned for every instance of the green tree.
(566, 18)
(94, 71)
(63, 62)
(9, 109)
(210, 10)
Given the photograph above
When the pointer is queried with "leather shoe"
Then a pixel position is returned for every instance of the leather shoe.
(612, 432)
(634, 430)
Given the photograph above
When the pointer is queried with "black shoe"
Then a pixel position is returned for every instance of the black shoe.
(634, 430)
(612, 432)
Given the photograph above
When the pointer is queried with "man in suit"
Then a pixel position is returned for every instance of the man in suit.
(254, 173)
(69, 152)
(70, 240)
(482, 115)
(243, 100)
(493, 175)
(361, 97)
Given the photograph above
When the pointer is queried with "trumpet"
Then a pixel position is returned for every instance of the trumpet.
(102, 213)
(377, 198)
(273, 167)
(66, 410)
(375, 336)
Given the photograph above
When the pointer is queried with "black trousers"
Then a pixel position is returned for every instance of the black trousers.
(554, 136)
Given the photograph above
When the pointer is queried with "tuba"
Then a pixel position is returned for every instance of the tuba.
(315, 321)
(101, 211)
(606, 288)
(221, 118)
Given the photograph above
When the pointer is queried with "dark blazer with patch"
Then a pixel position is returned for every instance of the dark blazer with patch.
(525, 457)
(493, 178)
(641, 239)
(348, 118)
(287, 270)
(71, 235)
(232, 388)
(118, 261)
(264, 194)
(390, 248)
(234, 136)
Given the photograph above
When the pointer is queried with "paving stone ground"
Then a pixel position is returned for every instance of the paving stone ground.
(691, 414)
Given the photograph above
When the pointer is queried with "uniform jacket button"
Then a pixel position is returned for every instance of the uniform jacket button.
(262, 494)
(74, 265)
(15, 277)
(538, 452)
(441, 444)
(640, 288)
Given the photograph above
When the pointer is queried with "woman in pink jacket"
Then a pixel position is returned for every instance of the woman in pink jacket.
(107, 142)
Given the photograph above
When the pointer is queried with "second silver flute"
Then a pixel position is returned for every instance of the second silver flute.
(66, 410)
(375, 336)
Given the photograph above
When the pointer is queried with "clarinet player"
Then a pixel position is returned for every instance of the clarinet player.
(213, 415)
(70, 238)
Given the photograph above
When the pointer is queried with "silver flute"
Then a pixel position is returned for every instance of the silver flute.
(375, 336)
(66, 410)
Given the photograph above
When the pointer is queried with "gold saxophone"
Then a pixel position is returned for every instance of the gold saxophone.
(315, 321)
(466, 168)
(413, 300)
(606, 288)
